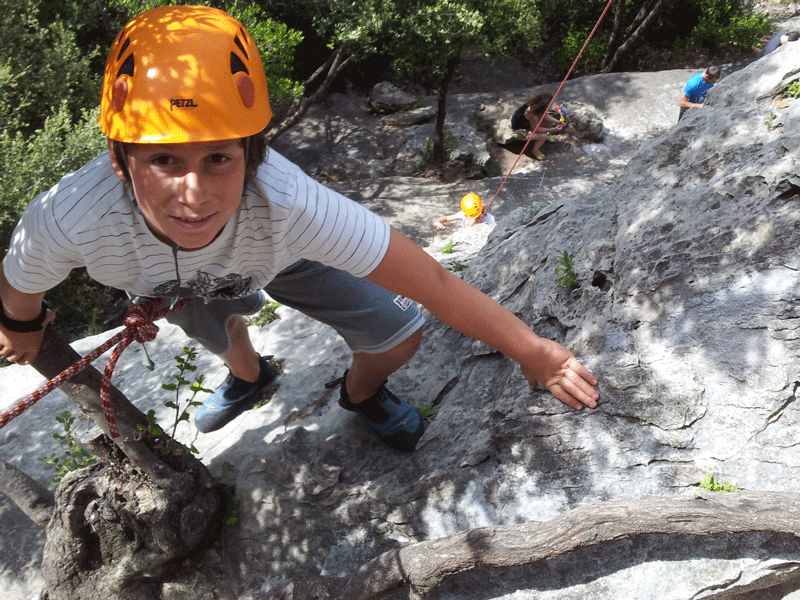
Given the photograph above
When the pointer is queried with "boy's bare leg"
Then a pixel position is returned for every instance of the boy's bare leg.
(369, 371)
(242, 359)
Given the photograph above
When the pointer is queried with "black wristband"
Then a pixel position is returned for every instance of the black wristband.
(36, 324)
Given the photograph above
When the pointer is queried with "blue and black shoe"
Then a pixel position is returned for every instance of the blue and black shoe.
(232, 398)
(395, 421)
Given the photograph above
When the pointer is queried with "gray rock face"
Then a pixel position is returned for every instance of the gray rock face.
(685, 308)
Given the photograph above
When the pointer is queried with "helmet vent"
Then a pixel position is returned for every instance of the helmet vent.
(124, 47)
(237, 65)
(241, 46)
(127, 66)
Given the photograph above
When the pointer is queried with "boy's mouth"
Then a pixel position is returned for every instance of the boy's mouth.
(193, 221)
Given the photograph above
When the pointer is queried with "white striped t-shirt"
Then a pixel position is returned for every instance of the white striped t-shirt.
(89, 220)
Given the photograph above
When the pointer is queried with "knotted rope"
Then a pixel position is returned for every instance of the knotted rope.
(139, 327)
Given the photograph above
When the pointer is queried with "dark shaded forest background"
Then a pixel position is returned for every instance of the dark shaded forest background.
(52, 55)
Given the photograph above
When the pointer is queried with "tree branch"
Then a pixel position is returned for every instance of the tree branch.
(336, 63)
(29, 495)
(424, 565)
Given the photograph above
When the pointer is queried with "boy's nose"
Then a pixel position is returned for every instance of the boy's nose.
(191, 188)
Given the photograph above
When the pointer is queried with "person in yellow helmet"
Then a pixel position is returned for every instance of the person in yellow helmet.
(471, 213)
(188, 202)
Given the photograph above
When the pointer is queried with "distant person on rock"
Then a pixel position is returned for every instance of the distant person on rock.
(471, 213)
(694, 94)
(777, 40)
(528, 116)
(189, 203)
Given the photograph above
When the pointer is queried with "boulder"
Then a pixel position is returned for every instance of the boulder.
(386, 98)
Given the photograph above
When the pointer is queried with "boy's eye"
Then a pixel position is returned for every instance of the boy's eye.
(163, 160)
(218, 158)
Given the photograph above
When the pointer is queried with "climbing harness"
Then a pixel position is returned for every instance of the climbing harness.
(139, 327)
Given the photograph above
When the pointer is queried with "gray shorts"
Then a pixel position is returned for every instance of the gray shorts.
(370, 318)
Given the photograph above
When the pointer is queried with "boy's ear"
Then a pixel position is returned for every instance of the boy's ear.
(118, 168)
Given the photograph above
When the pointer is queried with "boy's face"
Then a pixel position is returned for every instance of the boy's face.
(186, 192)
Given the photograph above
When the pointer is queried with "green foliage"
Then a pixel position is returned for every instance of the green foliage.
(265, 316)
(793, 90)
(712, 485)
(567, 277)
(31, 164)
(573, 42)
(230, 503)
(456, 266)
(42, 68)
(729, 22)
(448, 247)
(76, 456)
(450, 144)
(428, 411)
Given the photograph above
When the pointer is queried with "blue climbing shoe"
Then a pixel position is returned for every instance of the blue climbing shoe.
(232, 398)
(395, 421)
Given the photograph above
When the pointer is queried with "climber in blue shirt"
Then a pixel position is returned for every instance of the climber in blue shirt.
(694, 94)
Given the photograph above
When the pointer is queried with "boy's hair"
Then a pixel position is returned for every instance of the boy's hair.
(255, 152)
(714, 72)
(793, 36)
(540, 101)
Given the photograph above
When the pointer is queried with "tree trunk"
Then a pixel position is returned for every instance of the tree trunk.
(616, 31)
(644, 18)
(116, 527)
(438, 151)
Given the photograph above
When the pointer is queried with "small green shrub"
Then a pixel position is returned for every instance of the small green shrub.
(265, 316)
(567, 277)
(712, 485)
(456, 266)
(793, 90)
(184, 365)
(76, 456)
(428, 411)
(448, 247)
(424, 161)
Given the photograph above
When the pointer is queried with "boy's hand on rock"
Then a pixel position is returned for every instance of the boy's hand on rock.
(565, 377)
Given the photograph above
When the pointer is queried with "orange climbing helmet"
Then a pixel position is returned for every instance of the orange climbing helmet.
(472, 205)
(183, 74)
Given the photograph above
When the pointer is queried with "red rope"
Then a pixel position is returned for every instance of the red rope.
(139, 327)
(528, 141)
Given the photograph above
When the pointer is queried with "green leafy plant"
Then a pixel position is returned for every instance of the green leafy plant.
(265, 316)
(450, 144)
(76, 456)
(428, 411)
(456, 266)
(184, 364)
(448, 247)
(712, 485)
(793, 90)
(567, 277)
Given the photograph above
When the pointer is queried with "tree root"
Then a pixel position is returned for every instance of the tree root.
(418, 568)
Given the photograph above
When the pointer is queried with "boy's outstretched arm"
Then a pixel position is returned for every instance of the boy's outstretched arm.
(20, 347)
(408, 270)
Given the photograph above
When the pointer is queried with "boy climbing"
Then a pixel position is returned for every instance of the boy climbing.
(190, 203)
(471, 213)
